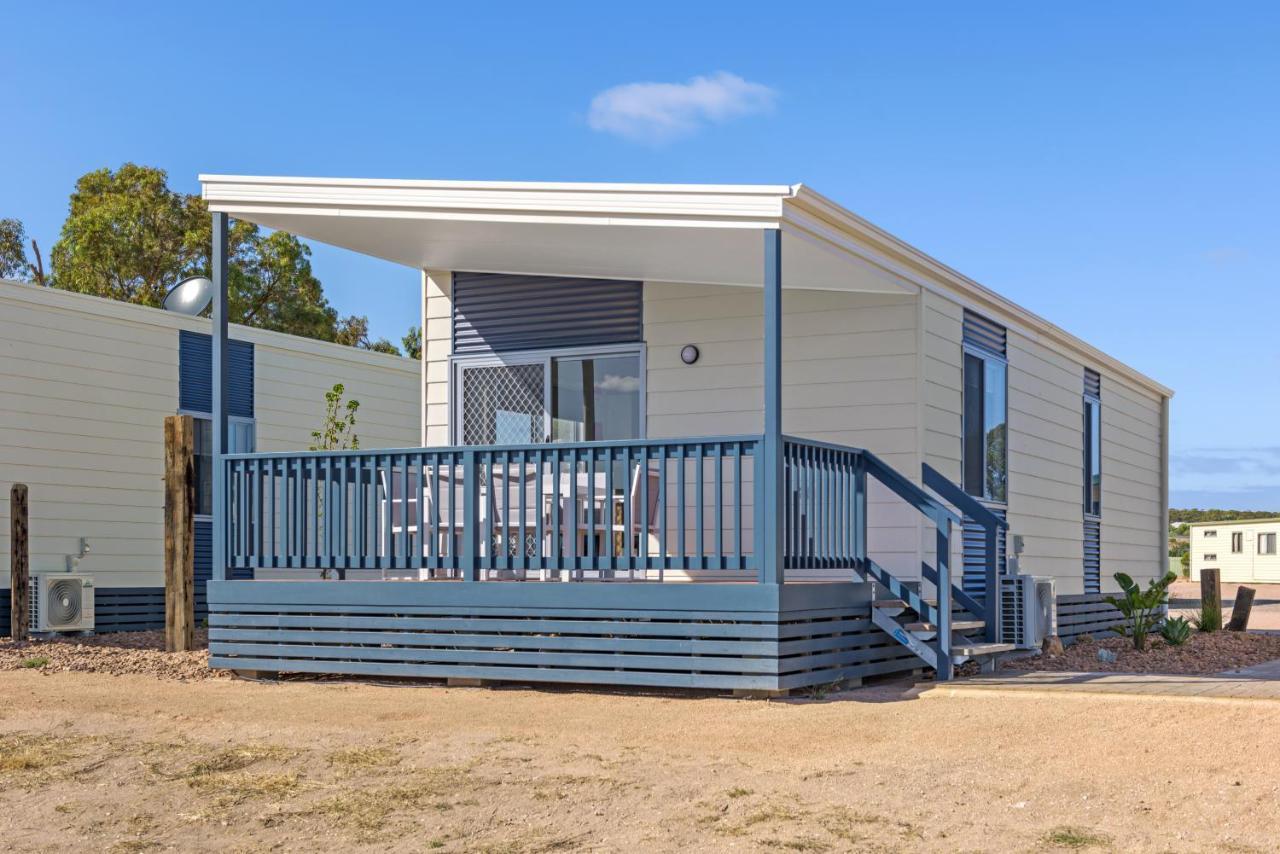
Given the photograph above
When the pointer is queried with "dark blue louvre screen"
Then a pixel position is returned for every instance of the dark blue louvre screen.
(974, 541)
(195, 375)
(495, 313)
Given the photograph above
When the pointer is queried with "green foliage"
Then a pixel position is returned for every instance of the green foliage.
(1209, 619)
(354, 332)
(13, 249)
(339, 430)
(1177, 517)
(129, 237)
(1186, 564)
(1176, 631)
(412, 342)
(1140, 607)
(34, 663)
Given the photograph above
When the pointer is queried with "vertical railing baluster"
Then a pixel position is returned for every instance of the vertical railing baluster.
(683, 520)
(664, 542)
(737, 504)
(469, 558)
(717, 459)
(700, 452)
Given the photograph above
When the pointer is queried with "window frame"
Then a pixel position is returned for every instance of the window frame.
(1270, 536)
(231, 419)
(457, 363)
(1092, 510)
(985, 355)
(1237, 537)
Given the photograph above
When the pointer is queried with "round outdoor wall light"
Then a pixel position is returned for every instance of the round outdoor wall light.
(689, 354)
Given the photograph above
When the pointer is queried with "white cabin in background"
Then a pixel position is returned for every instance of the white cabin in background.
(1242, 551)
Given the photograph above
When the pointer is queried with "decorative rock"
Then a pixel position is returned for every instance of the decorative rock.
(1052, 647)
(1107, 655)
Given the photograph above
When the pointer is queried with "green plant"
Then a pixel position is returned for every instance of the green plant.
(34, 662)
(1210, 618)
(1176, 631)
(339, 430)
(1140, 608)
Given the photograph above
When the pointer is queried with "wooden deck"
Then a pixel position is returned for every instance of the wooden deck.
(721, 636)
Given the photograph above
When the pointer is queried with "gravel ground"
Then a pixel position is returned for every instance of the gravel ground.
(117, 654)
(1203, 654)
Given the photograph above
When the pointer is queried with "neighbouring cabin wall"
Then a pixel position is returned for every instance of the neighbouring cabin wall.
(437, 347)
(1246, 565)
(86, 384)
(84, 396)
(290, 402)
(942, 389)
(849, 376)
(1134, 527)
(1046, 461)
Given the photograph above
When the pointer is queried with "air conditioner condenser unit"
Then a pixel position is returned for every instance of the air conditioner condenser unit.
(61, 602)
(1028, 610)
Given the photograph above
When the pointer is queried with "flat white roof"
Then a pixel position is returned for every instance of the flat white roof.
(694, 233)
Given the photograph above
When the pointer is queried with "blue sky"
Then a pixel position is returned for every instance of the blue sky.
(1111, 166)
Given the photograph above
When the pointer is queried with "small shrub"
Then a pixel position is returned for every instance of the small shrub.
(1140, 608)
(1210, 619)
(1176, 631)
(1076, 837)
(35, 662)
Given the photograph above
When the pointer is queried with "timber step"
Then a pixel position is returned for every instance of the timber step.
(956, 626)
(973, 650)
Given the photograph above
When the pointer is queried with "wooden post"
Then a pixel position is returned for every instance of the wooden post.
(179, 542)
(1211, 594)
(1241, 610)
(19, 563)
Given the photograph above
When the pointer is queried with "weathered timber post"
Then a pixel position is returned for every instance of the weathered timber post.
(179, 542)
(1242, 609)
(19, 563)
(1211, 595)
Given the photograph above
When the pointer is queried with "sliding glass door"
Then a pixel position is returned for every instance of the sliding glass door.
(561, 396)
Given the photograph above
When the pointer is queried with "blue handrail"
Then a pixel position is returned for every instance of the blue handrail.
(991, 525)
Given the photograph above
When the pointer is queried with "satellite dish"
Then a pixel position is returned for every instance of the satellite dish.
(190, 296)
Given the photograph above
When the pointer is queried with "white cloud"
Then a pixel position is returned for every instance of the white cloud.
(658, 112)
(1225, 469)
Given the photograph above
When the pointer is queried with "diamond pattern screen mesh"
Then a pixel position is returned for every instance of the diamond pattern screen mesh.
(504, 405)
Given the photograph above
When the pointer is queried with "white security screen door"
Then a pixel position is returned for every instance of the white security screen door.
(503, 404)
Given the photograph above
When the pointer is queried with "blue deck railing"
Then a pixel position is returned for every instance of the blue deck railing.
(591, 510)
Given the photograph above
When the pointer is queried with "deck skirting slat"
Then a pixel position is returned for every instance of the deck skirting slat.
(799, 637)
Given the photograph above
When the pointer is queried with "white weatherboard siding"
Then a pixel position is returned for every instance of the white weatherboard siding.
(86, 384)
(437, 347)
(1046, 461)
(849, 377)
(1134, 528)
(1211, 549)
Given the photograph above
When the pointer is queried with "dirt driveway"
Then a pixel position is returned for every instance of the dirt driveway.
(1184, 599)
(132, 763)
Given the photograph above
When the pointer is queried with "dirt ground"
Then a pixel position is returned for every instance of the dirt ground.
(133, 763)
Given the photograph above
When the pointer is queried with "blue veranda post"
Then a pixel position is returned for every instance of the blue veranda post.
(771, 569)
(219, 386)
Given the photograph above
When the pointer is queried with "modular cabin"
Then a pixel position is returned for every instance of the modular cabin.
(726, 437)
(1243, 550)
(85, 386)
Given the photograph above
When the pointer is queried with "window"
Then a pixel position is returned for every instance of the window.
(1266, 544)
(241, 439)
(1092, 443)
(1237, 542)
(530, 398)
(1211, 557)
(985, 425)
(1210, 533)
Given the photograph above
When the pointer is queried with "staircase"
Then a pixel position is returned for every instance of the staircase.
(944, 632)
(896, 618)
